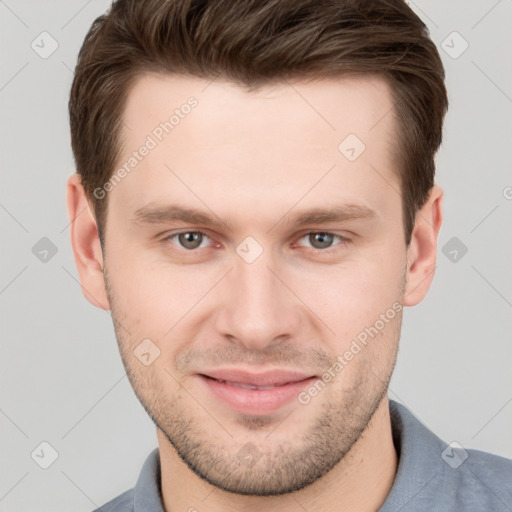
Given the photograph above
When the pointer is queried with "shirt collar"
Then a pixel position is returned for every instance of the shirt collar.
(147, 492)
(420, 464)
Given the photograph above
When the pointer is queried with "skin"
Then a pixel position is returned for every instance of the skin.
(253, 161)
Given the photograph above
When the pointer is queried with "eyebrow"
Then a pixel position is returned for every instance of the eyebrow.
(162, 215)
(173, 213)
(335, 214)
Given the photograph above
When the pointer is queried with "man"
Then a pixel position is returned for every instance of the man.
(255, 204)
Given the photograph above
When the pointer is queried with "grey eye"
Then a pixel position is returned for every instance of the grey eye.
(190, 240)
(321, 240)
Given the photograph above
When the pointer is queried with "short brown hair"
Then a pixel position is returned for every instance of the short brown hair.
(252, 43)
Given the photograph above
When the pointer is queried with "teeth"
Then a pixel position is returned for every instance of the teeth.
(246, 386)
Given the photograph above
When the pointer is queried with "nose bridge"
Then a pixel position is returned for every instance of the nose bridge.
(258, 308)
(256, 284)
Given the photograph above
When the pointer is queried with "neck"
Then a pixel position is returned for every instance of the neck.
(361, 481)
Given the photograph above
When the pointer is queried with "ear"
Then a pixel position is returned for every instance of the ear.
(421, 253)
(86, 245)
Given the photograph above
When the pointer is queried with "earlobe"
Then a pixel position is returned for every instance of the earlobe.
(421, 253)
(86, 244)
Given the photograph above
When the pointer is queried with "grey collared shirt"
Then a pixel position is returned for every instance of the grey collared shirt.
(432, 476)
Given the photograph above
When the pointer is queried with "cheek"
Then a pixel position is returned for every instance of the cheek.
(350, 296)
(153, 296)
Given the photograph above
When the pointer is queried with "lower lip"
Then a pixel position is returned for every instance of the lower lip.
(256, 401)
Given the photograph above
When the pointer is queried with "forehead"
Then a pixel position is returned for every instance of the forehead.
(324, 106)
(211, 138)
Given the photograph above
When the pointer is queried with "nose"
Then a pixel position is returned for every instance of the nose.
(258, 309)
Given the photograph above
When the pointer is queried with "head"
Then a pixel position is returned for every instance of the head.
(257, 187)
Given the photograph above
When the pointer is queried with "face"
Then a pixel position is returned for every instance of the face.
(255, 266)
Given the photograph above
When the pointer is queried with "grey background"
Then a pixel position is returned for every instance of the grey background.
(62, 380)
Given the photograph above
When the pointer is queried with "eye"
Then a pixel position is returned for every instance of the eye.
(189, 240)
(193, 240)
(321, 240)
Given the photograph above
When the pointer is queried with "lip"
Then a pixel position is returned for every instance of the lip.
(279, 388)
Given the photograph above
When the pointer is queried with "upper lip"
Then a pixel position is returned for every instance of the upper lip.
(268, 378)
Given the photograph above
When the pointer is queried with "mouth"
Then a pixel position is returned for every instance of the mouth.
(255, 394)
(244, 386)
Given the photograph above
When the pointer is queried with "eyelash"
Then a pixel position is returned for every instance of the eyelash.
(343, 240)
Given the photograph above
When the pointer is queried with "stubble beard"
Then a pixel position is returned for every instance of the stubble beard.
(275, 468)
